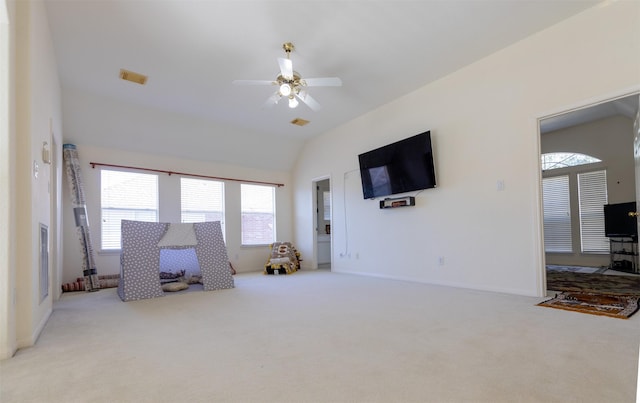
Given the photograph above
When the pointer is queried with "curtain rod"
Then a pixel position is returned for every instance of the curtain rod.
(93, 165)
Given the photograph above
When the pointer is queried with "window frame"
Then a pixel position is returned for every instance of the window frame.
(573, 158)
(593, 215)
(548, 236)
(104, 171)
(273, 214)
(573, 173)
(221, 199)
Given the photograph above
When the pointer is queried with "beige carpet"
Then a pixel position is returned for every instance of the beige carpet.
(324, 337)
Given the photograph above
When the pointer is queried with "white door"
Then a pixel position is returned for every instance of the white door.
(636, 157)
(323, 228)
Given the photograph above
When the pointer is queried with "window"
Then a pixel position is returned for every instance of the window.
(258, 214)
(592, 196)
(201, 200)
(589, 202)
(128, 196)
(557, 214)
(563, 160)
(326, 205)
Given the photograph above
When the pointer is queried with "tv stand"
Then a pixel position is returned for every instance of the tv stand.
(398, 202)
(624, 253)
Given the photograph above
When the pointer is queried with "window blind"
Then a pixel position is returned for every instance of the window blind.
(258, 214)
(201, 200)
(125, 196)
(592, 196)
(557, 214)
(326, 205)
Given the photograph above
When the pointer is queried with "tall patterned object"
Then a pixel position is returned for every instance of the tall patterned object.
(72, 168)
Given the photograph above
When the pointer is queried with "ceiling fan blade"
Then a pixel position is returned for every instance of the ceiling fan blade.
(272, 100)
(323, 82)
(253, 82)
(309, 101)
(286, 68)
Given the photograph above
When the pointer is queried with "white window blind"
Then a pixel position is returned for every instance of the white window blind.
(258, 214)
(201, 200)
(557, 214)
(125, 196)
(592, 196)
(326, 205)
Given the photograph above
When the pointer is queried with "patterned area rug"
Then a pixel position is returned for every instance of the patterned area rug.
(616, 306)
(578, 269)
(598, 283)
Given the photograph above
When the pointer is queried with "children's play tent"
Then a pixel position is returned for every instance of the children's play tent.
(141, 257)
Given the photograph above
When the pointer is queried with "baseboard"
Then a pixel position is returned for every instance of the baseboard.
(7, 352)
(31, 340)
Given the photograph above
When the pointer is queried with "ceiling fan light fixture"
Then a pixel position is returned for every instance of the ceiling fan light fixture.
(290, 84)
(285, 90)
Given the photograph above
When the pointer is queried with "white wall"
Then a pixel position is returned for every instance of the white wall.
(38, 119)
(483, 120)
(244, 259)
(8, 342)
(609, 140)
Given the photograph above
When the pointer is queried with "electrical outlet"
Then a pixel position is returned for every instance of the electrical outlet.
(441, 261)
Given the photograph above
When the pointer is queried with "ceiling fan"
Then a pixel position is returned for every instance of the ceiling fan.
(291, 85)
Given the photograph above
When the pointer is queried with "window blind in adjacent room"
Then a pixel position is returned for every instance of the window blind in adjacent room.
(592, 196)
(557, 214)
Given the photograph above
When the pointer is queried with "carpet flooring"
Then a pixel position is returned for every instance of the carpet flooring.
(323, 337)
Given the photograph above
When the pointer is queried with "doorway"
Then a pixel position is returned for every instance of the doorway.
(322, 221)
(604, 131)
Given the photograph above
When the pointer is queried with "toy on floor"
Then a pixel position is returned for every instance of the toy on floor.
(284, 259)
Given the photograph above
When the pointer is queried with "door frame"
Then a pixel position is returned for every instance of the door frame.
(314, 227)
(541, 278)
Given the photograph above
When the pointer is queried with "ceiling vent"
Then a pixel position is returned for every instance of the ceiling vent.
(133, 77)
(299, 122)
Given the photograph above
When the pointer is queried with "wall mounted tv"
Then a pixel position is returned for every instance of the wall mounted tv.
(618, 222)
(400, 167)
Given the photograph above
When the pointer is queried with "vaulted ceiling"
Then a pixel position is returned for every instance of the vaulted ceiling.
(191, 52)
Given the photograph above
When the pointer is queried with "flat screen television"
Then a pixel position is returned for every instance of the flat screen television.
(618, 223)
(400, 167)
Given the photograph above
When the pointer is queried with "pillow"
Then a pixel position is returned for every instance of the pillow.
(177, 286)
(170, 276)
(194, 279)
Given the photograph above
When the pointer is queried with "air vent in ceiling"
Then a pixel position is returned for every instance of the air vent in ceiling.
(299, 122)
(133, 77)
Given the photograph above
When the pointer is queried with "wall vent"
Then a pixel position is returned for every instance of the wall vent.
(299, 122)
(44, 262)
(133, 77)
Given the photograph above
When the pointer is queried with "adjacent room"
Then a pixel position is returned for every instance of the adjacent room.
(589, 194)
(375, 201)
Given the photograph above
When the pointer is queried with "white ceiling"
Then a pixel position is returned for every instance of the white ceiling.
(193, 50)
(626, 106)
